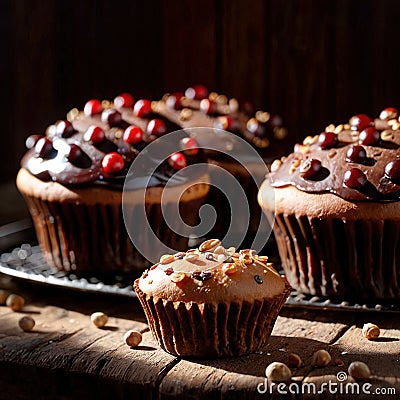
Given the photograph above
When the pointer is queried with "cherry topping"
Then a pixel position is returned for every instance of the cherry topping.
(369, 136)
(44, 147)
(389, 113)
(94, 134)
(223, 122)
(174, 101)
(356, 154)
(177, 161)
(124, 100)
(208, 107)
(111, 117)
(112, 163)
(310, 168)
(196, 92)
(360, 121)
(189, 146)
(392, 171)
(32, 140)
(142, 108)
(327, 140)
(64, 129)
(93, 107)
(74, 153)
(355, 179)
(156, 127)
(133, 135)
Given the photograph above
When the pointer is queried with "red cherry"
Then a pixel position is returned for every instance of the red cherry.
(112, 163)
(355, 179)
(156, 127)
(32, 140)
(392, 171)
(189, 146)
(359, 122)
(44, 147)
(389, 113)
(196, 92)
(174, 101)
(310, 168)
(223, 122)
(93, 107)
(208, 107)
(177, 161)
(64, 129)
(142, 108)
(111, 117)
(124, 100)
(94, 134)
(369, 136)
(327, 140)
(133, 135)
(356, 154)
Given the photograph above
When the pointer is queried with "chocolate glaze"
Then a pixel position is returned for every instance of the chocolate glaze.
(262, 130)
(378, 187)
(86, 168)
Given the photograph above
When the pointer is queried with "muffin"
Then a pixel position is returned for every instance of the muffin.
(263, 131)
(337, 210)
(212, 301)
(72, 179)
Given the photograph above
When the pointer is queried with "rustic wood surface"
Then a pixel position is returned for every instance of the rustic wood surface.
(66, 356)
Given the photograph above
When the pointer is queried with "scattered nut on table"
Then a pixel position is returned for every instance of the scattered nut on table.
(99, 319)
(294, 360)
(371, 331)
(321, 358)
(26, 323)
(278, 372)
(15, 302)
(359, 370)
(132, 338)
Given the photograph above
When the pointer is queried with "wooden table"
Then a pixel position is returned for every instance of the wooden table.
(66, 356)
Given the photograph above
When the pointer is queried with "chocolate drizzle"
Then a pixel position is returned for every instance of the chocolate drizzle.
(336, 162)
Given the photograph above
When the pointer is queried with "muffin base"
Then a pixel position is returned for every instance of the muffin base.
(83, 230)
(330, 248)
(211, 329)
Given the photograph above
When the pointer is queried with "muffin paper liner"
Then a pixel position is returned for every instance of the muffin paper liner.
(347, 259)
(223, 329)
(92, 239)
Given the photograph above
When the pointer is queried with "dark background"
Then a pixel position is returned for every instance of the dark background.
(313, 61)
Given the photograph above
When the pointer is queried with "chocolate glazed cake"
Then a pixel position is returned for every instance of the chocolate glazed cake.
(72, 179)
(337, 205)
(264, 131)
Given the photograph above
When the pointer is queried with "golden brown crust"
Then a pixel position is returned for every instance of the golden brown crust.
(219, 278)
(53, 191)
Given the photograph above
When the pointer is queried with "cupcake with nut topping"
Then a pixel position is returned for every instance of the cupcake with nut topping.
(263, 131)
(337, 209)
(72, 178)
(212, 301)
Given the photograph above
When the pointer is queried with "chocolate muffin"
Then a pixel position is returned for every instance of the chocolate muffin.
(212, 301)
(337, 210)
(73, 176)
(264, 132)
